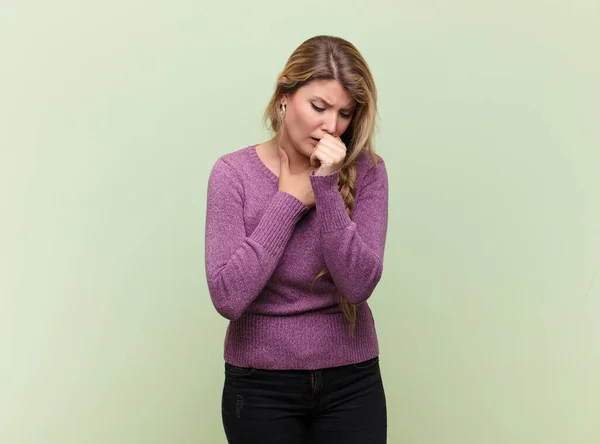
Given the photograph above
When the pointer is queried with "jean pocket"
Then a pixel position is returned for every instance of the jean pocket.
(367, 364)
(235, 371)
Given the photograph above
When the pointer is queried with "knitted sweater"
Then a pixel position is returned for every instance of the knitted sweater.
(264, 247)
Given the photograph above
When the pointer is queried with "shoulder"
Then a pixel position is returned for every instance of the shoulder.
(228, 170)
(235, 164)
(236, 160)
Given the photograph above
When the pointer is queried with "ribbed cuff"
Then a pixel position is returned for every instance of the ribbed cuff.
(278, 222)
(329, 204)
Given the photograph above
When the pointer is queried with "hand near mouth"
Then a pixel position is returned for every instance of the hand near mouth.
(328, 156)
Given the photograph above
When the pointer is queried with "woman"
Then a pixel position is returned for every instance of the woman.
(295, 236)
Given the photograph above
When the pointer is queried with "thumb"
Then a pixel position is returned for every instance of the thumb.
(314, 160)
(284, 160)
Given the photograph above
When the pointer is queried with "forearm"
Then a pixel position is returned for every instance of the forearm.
(353, 248)
(239, 267)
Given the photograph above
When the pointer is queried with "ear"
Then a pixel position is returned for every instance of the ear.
(283, 80)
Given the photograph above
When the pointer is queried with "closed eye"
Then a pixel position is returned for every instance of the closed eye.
(320, 110)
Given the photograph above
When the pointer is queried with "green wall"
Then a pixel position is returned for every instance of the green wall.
(112, 114)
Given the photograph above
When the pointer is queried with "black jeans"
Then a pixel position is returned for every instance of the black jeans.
(334, 405)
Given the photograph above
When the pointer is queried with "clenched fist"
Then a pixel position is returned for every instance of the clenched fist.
(328, 156)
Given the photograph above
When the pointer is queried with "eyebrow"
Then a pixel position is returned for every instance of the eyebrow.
(350, 108)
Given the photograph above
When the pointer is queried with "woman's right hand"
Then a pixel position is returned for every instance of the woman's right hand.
(296, 184)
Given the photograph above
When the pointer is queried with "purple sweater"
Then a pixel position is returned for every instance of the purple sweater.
(263, 249)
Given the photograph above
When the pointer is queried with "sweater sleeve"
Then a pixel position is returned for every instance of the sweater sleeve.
(239, 266)
(353, 248)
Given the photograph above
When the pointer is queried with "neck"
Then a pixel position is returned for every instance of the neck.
(298, 162)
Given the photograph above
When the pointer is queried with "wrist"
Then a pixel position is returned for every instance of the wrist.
(324, 171)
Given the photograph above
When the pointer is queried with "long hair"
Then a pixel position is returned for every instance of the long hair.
(333, 58)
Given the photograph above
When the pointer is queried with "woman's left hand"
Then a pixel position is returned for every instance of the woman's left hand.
(328, 156)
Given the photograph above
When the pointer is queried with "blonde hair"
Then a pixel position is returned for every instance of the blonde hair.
(333, 58)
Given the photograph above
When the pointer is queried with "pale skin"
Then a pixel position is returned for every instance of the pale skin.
(316, 115)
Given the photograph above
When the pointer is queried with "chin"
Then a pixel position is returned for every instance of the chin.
(306, 149)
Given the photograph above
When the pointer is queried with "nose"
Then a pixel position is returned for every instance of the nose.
(330, 122)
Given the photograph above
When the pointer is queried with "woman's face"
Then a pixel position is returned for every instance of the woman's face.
(317, 108)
